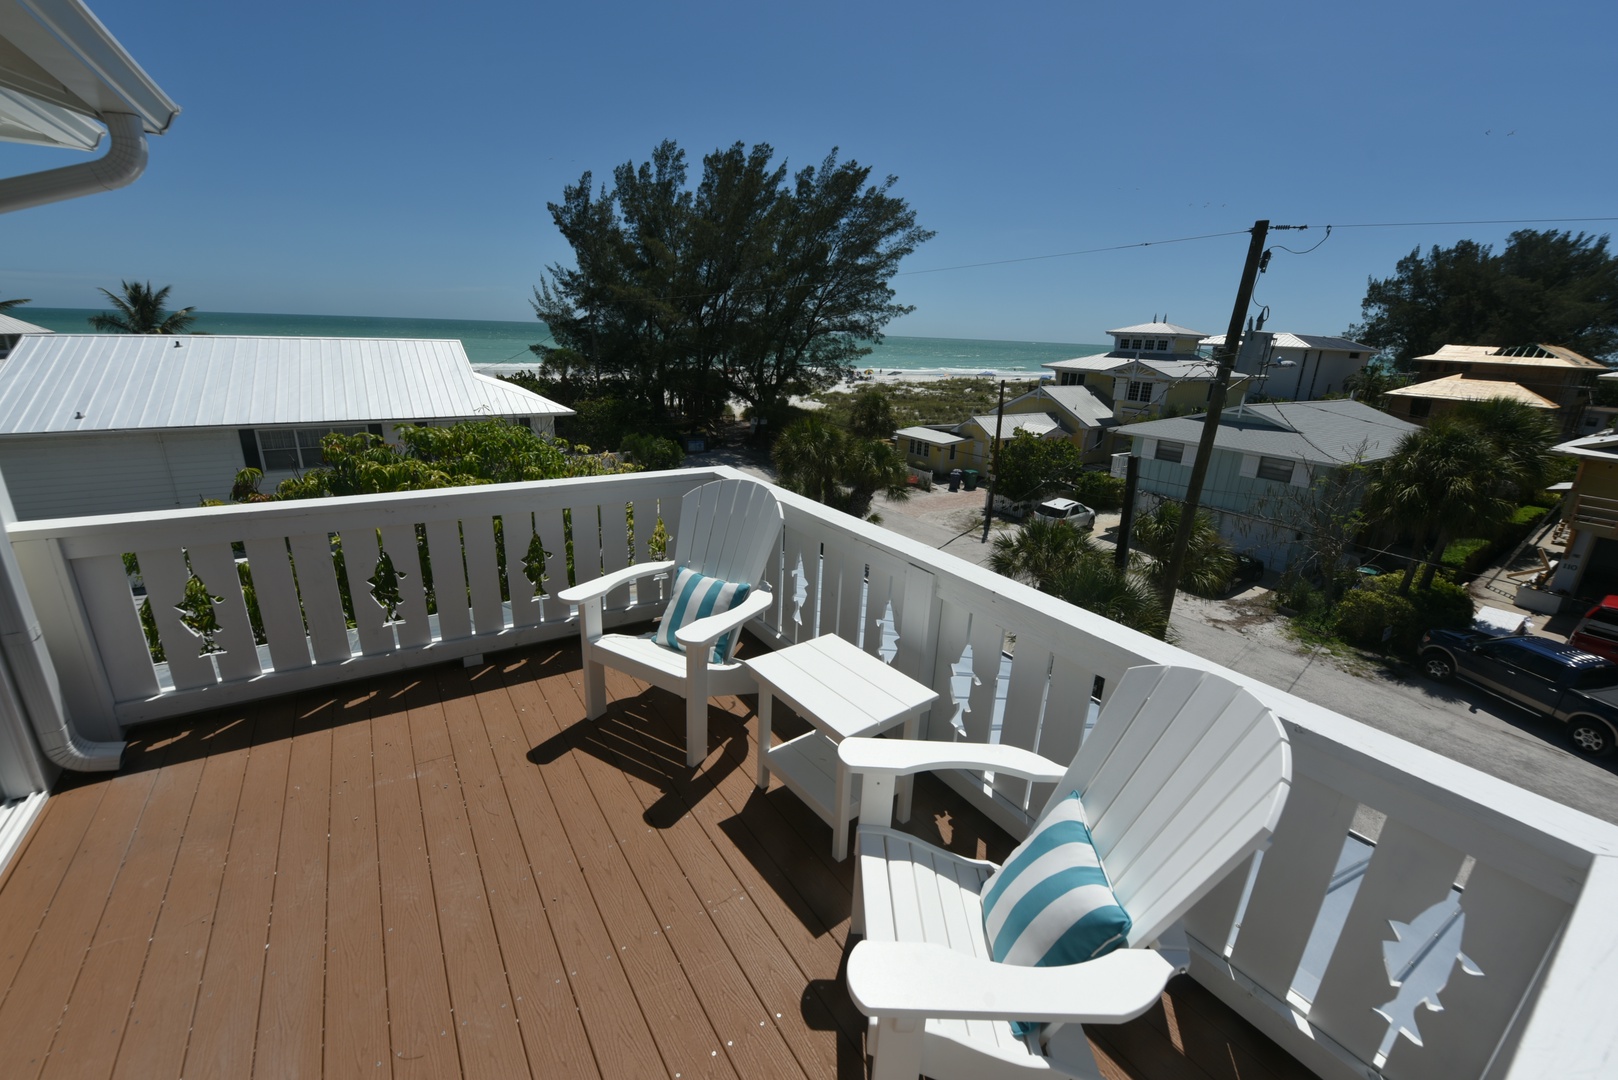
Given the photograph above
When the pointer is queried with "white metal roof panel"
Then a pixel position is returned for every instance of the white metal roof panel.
(8, 325)
(1098, 362)
(930, 435)
(1038, 423)
(1165, 328)
(1285, 340)
(108, 382)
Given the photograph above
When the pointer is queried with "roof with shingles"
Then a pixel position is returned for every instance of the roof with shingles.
(116, 382)
(1552, 356)
(1318, 432)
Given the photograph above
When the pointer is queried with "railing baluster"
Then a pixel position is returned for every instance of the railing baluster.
(517, 532)
(360, 556)
(165, 574)
(111, 610)
(215, 567)
(449, 580)
(484, 574)
(413, 628)
(278, 603)
(322, 602)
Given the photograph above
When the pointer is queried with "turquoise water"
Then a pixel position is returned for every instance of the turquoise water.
(504, 345)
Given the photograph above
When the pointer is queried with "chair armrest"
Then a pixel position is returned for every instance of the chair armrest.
(919, 981)
(902, 757)
(711, 629)
(601, 586)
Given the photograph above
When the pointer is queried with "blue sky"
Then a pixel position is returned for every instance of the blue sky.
(396, 159)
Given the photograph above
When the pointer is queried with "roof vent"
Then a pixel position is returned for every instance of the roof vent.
(78, 416)
(176, 344)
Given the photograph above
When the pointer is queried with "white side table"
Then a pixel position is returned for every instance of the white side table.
(843, 691)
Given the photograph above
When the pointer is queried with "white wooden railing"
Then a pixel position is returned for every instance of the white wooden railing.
(1296, 944)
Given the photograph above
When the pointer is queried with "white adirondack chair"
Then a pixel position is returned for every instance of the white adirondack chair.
(728, 529)
(1182, 778)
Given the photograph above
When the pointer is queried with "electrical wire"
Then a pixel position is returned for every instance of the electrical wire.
(1068, 254)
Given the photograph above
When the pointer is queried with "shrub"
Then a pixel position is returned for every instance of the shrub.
(1099, 490)
(1444, 604)
(1375, 619)
(1467, 556)
(653, 452)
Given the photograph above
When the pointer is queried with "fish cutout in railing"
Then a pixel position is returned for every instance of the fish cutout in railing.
(1421, 960)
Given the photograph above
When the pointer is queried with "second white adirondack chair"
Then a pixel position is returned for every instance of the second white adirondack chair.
(1182, 778)
(728, 529)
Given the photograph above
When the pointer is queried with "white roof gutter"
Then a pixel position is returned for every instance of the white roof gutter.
(124, 160)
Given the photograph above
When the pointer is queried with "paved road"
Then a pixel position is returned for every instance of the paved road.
(1452, 719)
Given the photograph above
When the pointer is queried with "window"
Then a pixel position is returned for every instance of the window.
(1420, 407)
(1277, 469)
(1353, 356)
(1140, 391)
(1068, 378)
(293, 449)
(1170, 451)
(1136, 344)
(1162, 345)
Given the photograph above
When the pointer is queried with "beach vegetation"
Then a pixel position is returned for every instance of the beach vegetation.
(936, 401)
(1209, 560)
(1552, 287)
(140, 309)
(755, 284)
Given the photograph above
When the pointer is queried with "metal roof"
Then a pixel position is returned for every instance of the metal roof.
(1158, 328)
(1602, 446)
(8, 325)
(1037, 423)
(1318, 432)
(1098, 362)
(1284, 340)
(1085, 408)
(1461, 388)
(107, 382)
(930, 435)
(60, 69)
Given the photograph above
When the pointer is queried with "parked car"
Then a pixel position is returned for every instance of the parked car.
(1070, 511)
(1597, 632)
(1555, 681)
(1247, 568)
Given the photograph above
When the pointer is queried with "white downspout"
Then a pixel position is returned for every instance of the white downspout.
(27, 665)
(124, 160)
(29, 669)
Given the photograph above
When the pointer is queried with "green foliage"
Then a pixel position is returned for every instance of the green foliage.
(1064, 562)
(1551, 287)
(1526, 517)
(1209, 561)
(1031, 467)
(816, 459)
(140, 310)
(653, 452)
(1098, 490)
(7, 305)
(1365, 615)
(1467, 556)
(944, 401)
(471, 452)
(753, 285)
(871, 414)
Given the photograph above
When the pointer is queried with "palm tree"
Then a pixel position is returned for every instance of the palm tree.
(1522, 437)
(7, 305)
(1059, 560)
(817, 459)
(1443, 481)
(140, 311)
(1209, 561)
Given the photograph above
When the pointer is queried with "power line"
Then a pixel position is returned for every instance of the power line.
(1069, 254)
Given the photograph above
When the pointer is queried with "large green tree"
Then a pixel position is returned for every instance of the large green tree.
(141, 309)
(1550, 287)
(755, 284)
(1031, 467)
(1057, 559)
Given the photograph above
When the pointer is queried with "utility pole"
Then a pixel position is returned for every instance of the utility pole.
(994, 467)
(1216, 405)
(1126, 523)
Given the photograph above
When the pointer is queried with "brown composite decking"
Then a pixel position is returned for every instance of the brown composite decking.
(449, 872)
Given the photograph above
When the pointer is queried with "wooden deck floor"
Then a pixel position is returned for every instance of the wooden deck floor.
(450, 873)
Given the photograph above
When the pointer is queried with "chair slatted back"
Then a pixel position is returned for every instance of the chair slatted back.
(728, 529)
(1183, 776)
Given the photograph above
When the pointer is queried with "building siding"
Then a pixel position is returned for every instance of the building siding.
(119, 472)
(1245, 506)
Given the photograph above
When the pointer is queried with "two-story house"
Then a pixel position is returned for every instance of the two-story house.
(1297, 367)
(1557, 375)
(1265, 460)
(1050, 412)
(1152, 368)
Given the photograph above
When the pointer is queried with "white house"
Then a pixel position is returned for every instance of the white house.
(1265, 459)
(102, 423)
(1298, 367)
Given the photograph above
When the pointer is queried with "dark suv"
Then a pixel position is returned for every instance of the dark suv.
(1556, 681)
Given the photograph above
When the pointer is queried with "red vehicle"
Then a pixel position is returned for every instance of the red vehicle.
(1597, 632)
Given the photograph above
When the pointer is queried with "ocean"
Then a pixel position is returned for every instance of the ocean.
(502, 347)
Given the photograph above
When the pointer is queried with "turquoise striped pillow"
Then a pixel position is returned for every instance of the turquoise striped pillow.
(696, 596)
(1051, 903)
